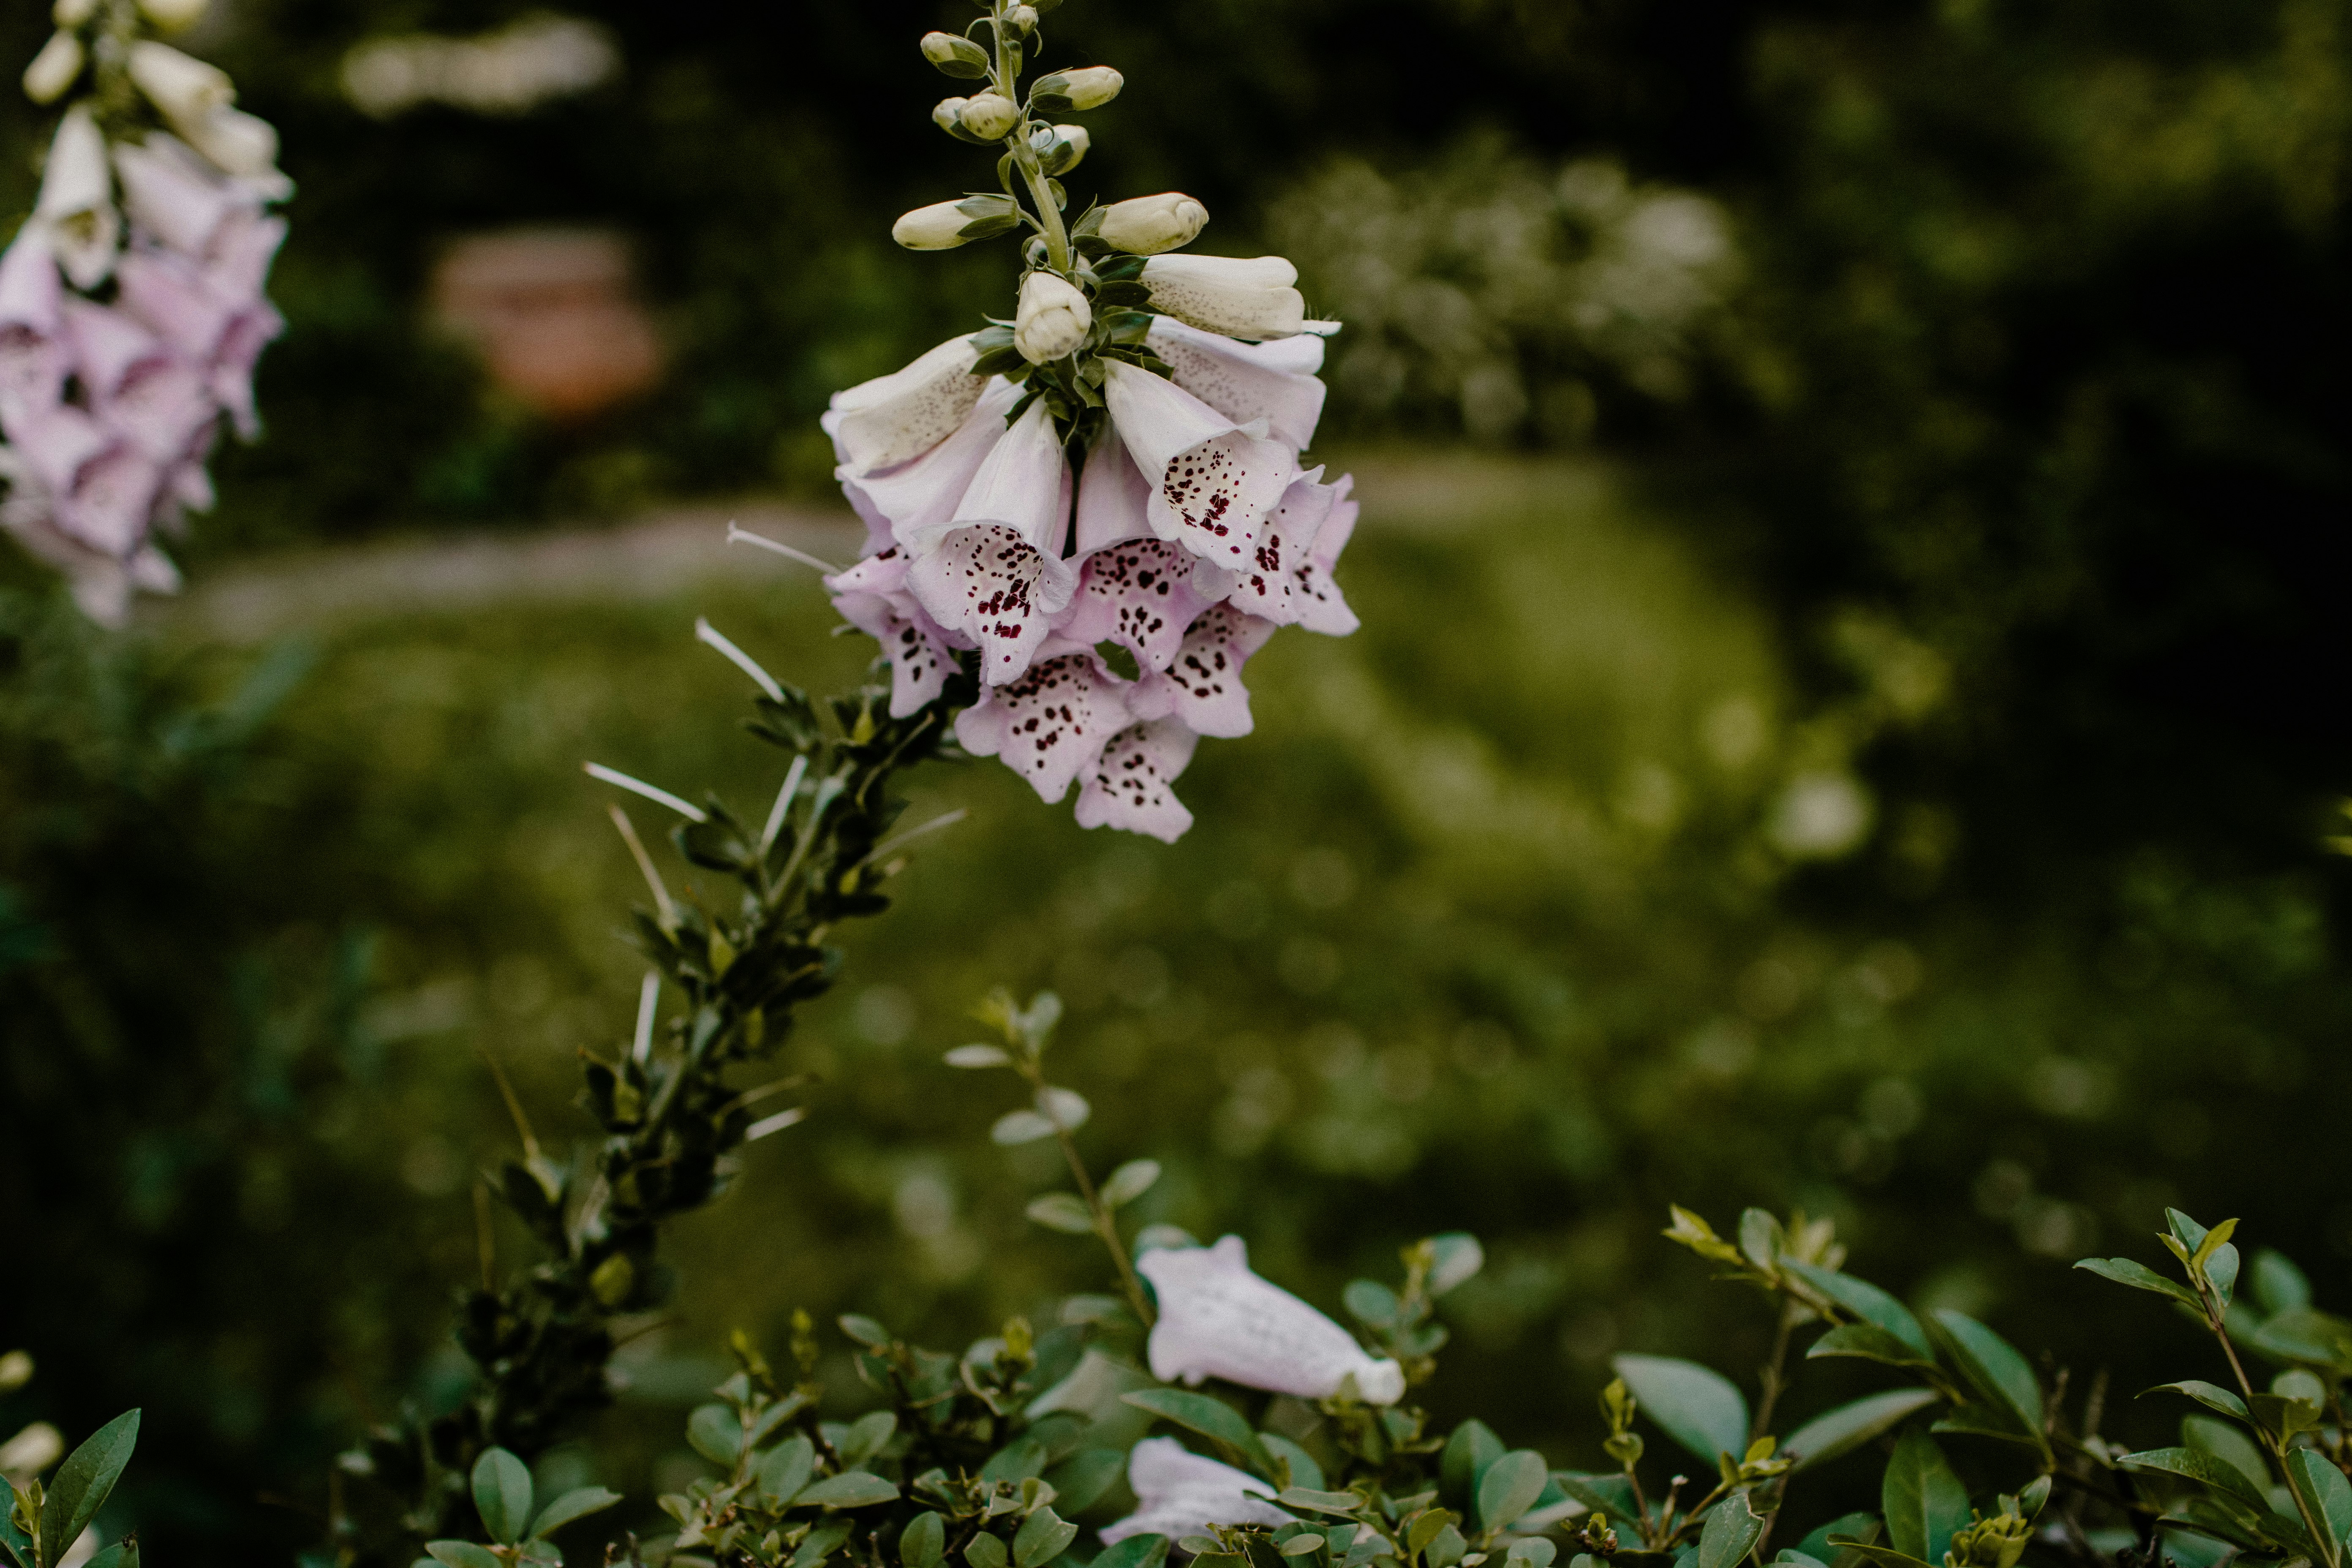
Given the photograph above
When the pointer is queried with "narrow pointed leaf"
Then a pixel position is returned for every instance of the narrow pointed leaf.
(1924, 1503)
(1865, 1301)
(84, 1482)
(2196, 1465)
(1849, 1427)
(2212, 1396)
(1209, 1417)
(1994, 1364)
(571, 1505)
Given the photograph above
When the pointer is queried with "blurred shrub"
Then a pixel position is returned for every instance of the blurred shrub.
(1503, 298)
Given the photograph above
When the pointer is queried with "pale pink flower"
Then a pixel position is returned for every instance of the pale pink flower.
(1139, 594)
(1048, 724)
(177, 197)
(872, 596)
(1131, 785)
(76, 201)
(1212, 480)
(101, 490)
(33, 361)
(1114, 497)
(918, 497)
(1178, 1493)
(993, 570)
(1201, 686)
(1219, 1319)
(895, 418)
(1320, 607)
(1273, 381)
(102, 583)
(138, 386)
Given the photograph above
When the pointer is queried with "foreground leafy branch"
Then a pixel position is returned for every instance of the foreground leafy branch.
(669, 1109)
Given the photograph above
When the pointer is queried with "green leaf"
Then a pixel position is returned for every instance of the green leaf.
(1602, 1493)
(1868, 1341)
(1696, 1405)
(867, 1437)
(1369, 1301)
(1865, 1301)
(851, 1488)
(84, 1482)
(1849, 1427)
(1731, 1530)
(1792, 1558)
(865, 1330)
(2308, 1335)
(2197, 1465)
(2185, 1231)
(2222, 1270)
(924, 1542)
(502, 1493)
(1016, 1461)
(2141, 1277)
(1316, 1500)
(1924, 1502)
(1080, 1481)
(1471, 1448)
(786, 1469)
(974, 1058)
(1994, 1421)
(2230, 1445)
(1199, 1413)
(1304, 1471)
(463, 1554)
(1135, 1551)
(2212, 1396)
(985, 1552)
(1064, 1212)
(1131, 1181)
(2325, 1488)
(121, 1555)
(1760, 1240)
(1860, 1551)
(1458, 1257)
(819, 1542)
(1864, 1526)
(1995, 1367)
(571, 1505)
(1015, 1127)
(1531, 1551)
(2279, 1284)
(715, 1431)
(1042, 1536)
(1510, 1488)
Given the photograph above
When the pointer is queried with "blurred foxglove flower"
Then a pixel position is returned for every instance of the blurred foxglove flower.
(76, 201)
(1242, 299)
(1178, 1493)
(1219, 1319)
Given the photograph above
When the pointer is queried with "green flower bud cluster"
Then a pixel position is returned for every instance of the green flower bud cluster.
(1083, 297)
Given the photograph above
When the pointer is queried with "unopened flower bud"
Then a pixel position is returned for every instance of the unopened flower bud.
(990, 116)
(185, 87)
(173, 16)
(1061, 148)
(1146, 225)
(244, 144)
(1022, 19)
(947, 114)
(943, 226)
(73, 13)
(1053, 318)
(1257, 298)
(1090, 87)
(954, 55)
(55, 68)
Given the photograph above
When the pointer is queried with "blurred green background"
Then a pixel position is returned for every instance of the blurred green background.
(1848, 713)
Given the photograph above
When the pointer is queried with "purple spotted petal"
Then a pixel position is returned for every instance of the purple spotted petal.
(1321, 607)
(993, 586)
(1048, 725)
(1213, 482)
(1203, 685)
(1139, 594)
(1132, 785)
(1268, 586)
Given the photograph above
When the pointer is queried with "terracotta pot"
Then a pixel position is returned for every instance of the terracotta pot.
(554, 314)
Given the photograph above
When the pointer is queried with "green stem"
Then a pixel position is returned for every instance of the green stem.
(1025, 157)
(2322, 1536)
(1106, 1223)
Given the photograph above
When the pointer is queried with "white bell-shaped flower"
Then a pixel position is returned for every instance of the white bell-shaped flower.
(179, 197)
(1320, 607)
(137, 386)
(1049, 723)
(1211, 480)
(873, 596)
(34, 362)
(1273, 381)
(895, 418)
(917, 499)
(76, 201)
(995, 572)
(1257, 297)
(1131, 785)
(1142, 594)
(244, 144)
(185, 89)
(1178, 1493)
(1202, 684)
(1219, 1319)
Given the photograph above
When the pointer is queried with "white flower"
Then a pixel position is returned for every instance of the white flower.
(1225, 294)
(872, 596)
(1211, 480)
(1202, 684)
(1146, 225)
(1129, 786)
(1178, 1493)
(1274, 381)
(1089, 87)
(1048, 724)
(244, 144)
(172, 16)
(33, 360)
(76, 201)
(1320, 607)
(183, 87)
(1053, 318)
(178, 196)
(917, 499)
(1219, 1319)
(993, 572)
(55, 68)
(944, 226)
(897, 417)
(1142, 593)
(1022, 487)
(990, 116)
